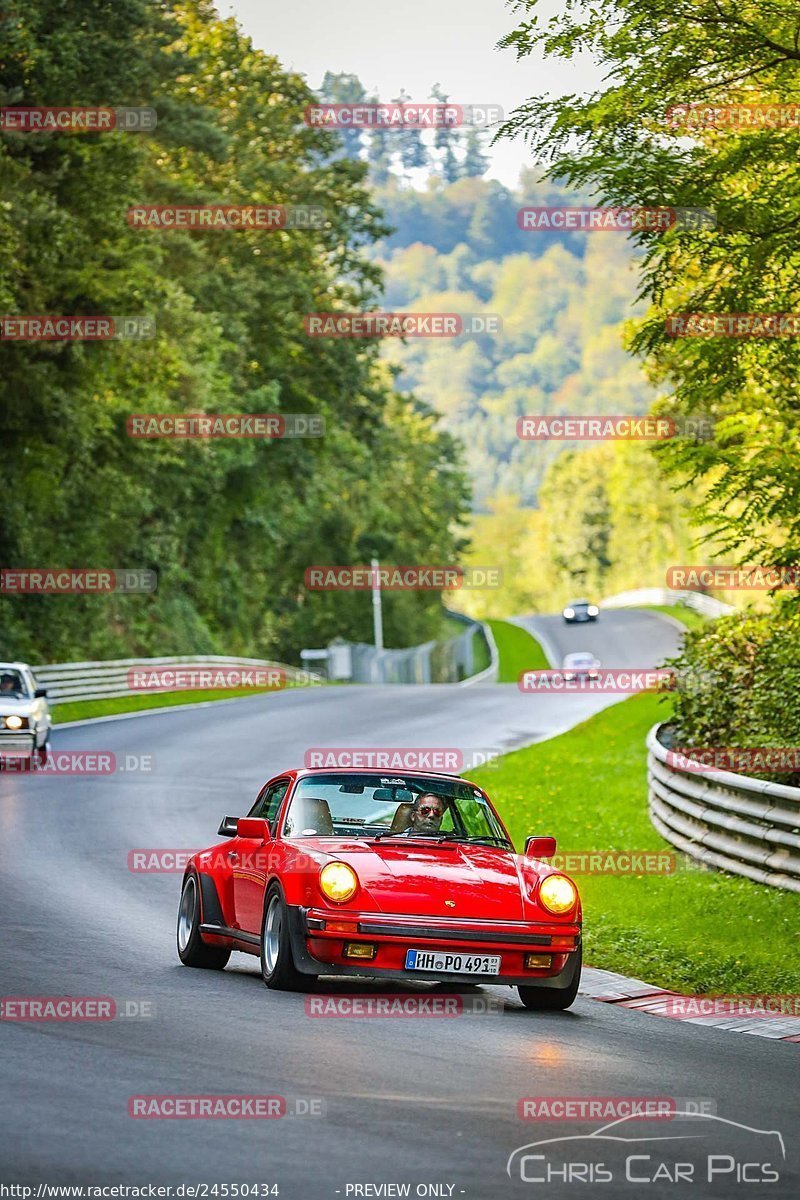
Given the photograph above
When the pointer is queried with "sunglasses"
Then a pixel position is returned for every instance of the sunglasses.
(433, 811)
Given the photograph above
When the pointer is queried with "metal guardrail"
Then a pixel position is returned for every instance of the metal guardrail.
(452, 661)
(746, 826)
(109, 679)
(708, 605)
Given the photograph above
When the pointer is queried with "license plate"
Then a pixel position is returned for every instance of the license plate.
(462, 964)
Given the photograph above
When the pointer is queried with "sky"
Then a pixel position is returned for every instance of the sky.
(412, 46)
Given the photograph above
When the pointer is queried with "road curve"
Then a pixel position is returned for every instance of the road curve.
(621, 637)
(407, 1101)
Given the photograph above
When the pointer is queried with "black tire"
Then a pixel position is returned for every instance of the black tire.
(541, 999)
(192, 950)
(43, 753)
(277, 961)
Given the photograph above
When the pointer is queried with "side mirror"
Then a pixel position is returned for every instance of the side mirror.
(540, 847)
(253, 827)
(228, 827)
(40, 693)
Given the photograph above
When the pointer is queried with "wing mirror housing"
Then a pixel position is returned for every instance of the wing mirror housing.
(40, 694)
(228, 827)
(253, 827)
(540, 847)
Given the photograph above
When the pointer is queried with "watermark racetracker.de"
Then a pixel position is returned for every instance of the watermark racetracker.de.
(198, 426)
(400, 324)
(57, 581)
(80, 119)
(59, 327)
(413, 577)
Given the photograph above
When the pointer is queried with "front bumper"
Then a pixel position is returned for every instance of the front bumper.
(319, 951)
(17, 743)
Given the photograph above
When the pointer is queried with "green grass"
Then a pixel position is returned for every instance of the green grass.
(686, 616)
(79, 710)
(695, 930)
(518, 651)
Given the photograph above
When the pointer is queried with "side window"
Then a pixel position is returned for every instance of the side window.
(268, 803)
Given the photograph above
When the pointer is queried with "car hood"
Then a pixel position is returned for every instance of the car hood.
(406, 876)
(9, 706)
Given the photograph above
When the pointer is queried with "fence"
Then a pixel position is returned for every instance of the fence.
(745, 826)
(708, 605)
(107, 680)
(452, 661)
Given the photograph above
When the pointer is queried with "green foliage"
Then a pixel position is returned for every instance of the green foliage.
(229, 526)
(738, 683)
(607, 521)
(622, 142)
(562, 302)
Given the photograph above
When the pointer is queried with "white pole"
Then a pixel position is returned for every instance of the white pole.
(377, 611)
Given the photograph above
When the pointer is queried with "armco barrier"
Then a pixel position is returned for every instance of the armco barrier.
(452, 661)
(107, 680)
(746, 826)
(709, 606)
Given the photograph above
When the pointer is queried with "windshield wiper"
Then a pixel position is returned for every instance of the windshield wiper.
(413, 837)
(490, 841)
(449, 836)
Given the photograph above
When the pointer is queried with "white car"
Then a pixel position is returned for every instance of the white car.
(581, 664)
(25, 721)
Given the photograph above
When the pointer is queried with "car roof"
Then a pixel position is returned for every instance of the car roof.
(577, 602)
(14, 666)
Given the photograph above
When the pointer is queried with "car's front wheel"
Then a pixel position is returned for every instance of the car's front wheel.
(543, 999)
(192, 950)
(277, 962)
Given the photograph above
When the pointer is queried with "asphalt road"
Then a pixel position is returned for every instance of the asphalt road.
(406, 1101)
(621, 637)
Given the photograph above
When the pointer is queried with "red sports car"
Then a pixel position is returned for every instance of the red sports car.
(409, 876)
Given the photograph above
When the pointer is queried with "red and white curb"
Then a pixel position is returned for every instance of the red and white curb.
(621, 990)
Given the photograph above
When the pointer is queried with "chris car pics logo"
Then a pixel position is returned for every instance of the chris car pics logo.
(693, 1148)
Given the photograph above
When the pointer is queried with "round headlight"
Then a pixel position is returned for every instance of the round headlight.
(569, 612)
(557, 893)
(14, 722)
(593, 610)
(338, 882)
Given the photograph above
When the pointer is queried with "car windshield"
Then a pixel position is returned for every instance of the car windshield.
(392, 806)
(579, 660)
(12, 684)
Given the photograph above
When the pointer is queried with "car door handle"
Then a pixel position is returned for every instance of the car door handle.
(233, 856)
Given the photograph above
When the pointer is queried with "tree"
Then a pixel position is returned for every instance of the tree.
(345, 89)
(475, 163)
(445, 141)
(229, 526)
(638, 141)
(413, 152)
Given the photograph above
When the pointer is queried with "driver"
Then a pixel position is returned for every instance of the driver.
(8, 684)
(426, 815)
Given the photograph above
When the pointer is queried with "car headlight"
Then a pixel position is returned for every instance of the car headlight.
(338, 882)
(14, 722)
(569, 612)
(593, 610)
(558, 894)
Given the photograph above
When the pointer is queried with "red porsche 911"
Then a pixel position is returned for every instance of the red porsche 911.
(413, 876)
